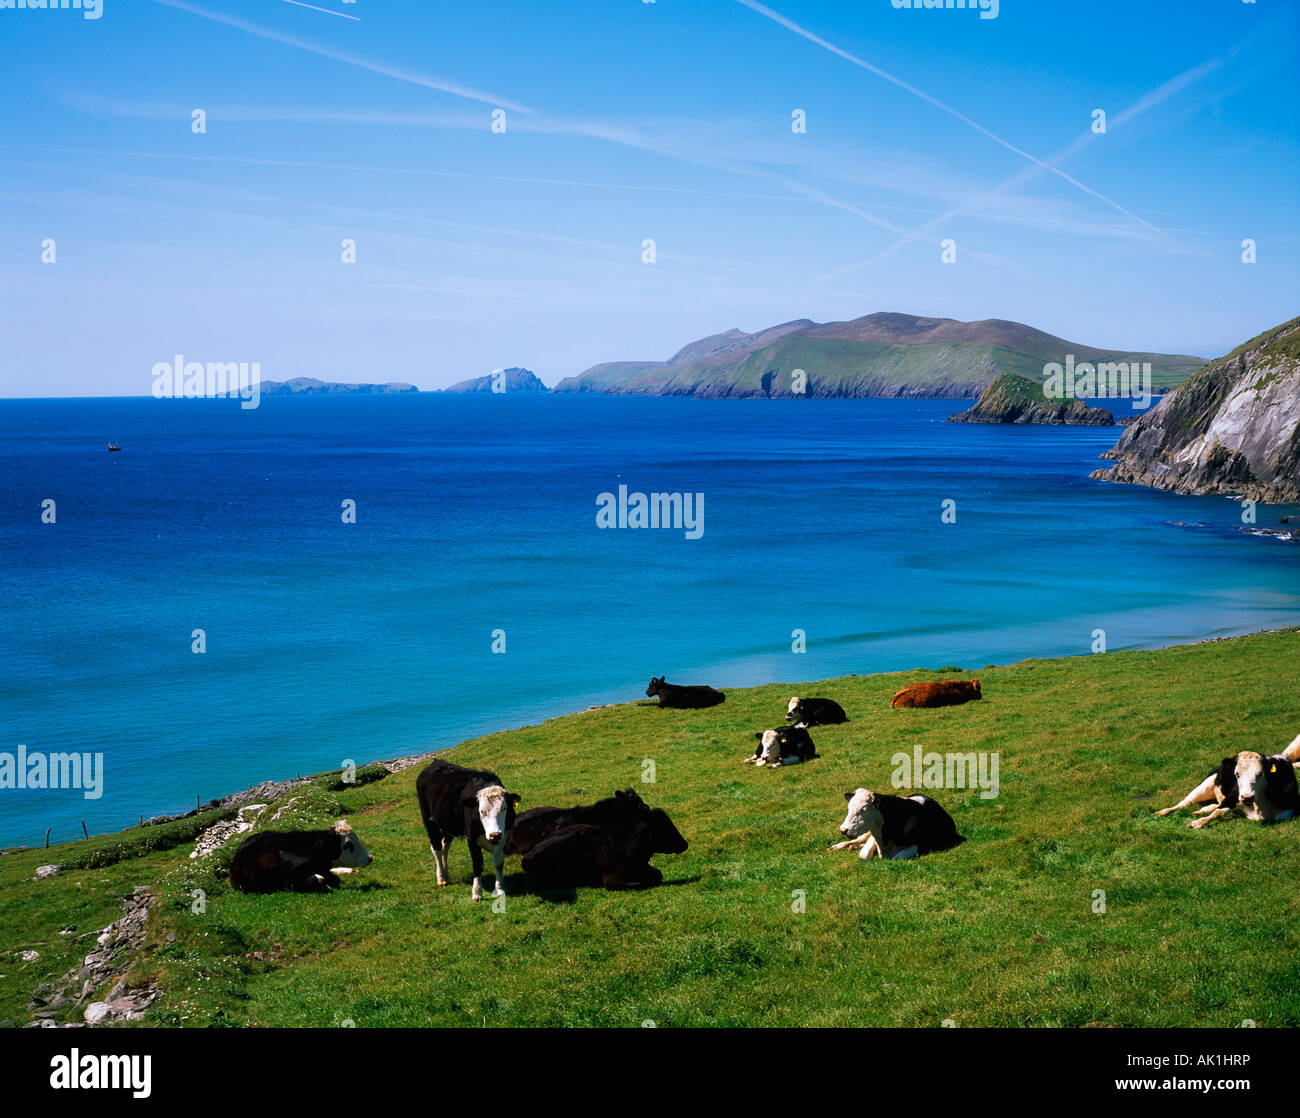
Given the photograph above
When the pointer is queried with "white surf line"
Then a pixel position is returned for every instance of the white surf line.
(443, 86)
(1161, 93)
(327, 11)
(789, 25)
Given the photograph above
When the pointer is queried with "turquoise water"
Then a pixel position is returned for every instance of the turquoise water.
(328, 641)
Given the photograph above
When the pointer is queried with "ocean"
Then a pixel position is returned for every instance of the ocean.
(476, 526)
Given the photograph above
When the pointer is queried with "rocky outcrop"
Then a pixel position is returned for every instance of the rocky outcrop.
(512, 380)
(116, 948)
(1013, 399)
(1232, 429)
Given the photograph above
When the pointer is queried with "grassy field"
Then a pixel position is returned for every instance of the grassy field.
(1200, 928)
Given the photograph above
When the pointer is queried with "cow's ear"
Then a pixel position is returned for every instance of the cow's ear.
(514, 798)
(848, 795)
(469, 799)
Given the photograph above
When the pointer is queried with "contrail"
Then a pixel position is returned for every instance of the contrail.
(327, 11)
(442, 86)
(776, 17)
(1161, 93)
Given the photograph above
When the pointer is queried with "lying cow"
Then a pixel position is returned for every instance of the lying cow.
(884, 826)
(815, 712)
(1253, 785)
(456, 802)
(941, 693)
(607, 843)
(299, 861)
(784, 745)
(683, 698)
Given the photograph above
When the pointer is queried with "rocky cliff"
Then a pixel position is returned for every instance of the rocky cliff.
(1012, 399)
(1233, 428)
(514, 380)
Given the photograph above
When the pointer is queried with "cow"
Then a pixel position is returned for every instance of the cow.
(607, 843)
(1254, 785)
(300, 861)
(815, 712)
(683, 698)
(883, 826)
(784, 745)
(940, 693)
(469, 804)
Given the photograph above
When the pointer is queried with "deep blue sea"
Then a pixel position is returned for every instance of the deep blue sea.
(328, 641)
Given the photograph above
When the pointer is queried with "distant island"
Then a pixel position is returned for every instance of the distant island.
(509, 380)
(879, 355)
(308, 386)
(1232, 429)
(1013, 399)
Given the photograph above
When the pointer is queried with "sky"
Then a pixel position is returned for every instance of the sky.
(626, 122)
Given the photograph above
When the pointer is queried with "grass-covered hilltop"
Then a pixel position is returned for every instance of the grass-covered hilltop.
(1069, 903)
(885, 354)
(1013, 399)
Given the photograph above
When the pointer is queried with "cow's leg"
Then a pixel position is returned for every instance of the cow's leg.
(870, 848)
(1198, 795)
(476, 858)
(499, 867)
(1217, 813)
(1292, 751)
(853, 843)
(440, 858)
(906, 853)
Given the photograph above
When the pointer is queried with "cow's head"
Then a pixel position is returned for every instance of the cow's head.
(1251, 772)
(351, 853)
(790, 711)
(667, 838)
(495, 808)
(975, 686)
(772, 741)
(863, 814)
(655, 684)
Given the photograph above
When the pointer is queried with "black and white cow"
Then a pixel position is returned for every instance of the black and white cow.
(691, 697)
(301, 861)
(883, 826)
(470, 804)
(784, 745)
(815, 712)
(607, 843)
(1252, 785)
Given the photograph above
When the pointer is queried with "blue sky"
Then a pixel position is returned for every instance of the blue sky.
(625, 121)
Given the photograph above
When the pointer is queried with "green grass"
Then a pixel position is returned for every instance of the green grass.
(1200, 927)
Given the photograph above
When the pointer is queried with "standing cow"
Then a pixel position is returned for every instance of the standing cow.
(471, 804)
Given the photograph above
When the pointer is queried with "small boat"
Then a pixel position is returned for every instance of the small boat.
(114, 446)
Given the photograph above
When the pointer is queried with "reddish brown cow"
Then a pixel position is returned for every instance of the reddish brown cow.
(942, 693)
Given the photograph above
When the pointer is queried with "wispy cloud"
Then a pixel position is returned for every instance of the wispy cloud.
(456, 89)
(789, 25)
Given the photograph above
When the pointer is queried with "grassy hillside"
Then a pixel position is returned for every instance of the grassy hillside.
(1200, 928)
(878, 355)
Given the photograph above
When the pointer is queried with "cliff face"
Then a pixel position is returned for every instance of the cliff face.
(1231, 429)
(515, 380)
(1012, 399)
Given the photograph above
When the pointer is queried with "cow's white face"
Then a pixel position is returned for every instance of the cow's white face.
(1251, 780)
(771, 749)
(353, 853)
(492, 811)
(863, 815)
(793, 703)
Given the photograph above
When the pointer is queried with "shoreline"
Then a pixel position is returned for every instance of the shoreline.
(274, 789)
